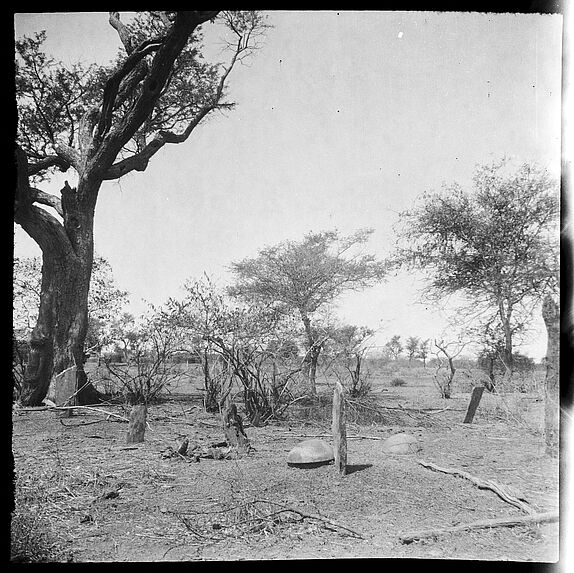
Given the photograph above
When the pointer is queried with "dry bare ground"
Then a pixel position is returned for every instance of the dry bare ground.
(94, 498)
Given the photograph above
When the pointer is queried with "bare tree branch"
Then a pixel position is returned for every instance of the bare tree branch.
(168, 49)
(140, 160)
(46, 162)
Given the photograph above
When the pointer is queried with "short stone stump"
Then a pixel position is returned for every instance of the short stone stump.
(401, 444)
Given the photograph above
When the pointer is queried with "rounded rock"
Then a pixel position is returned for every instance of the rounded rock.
(401, 444)
(312, 451)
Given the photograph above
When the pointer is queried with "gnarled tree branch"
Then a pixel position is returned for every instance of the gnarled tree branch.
(113, 84)
(122, 31)
(47, 162)
(48, 199)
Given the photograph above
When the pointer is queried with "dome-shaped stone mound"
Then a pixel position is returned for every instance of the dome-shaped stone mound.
(310, 453)
(401, 444)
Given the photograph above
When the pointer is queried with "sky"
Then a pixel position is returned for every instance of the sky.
(342, 120)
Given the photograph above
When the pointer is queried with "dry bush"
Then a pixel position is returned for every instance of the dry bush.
(515, 409)
(311, 409)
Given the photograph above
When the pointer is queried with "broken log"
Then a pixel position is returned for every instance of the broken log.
(485, 524)
(233, 429)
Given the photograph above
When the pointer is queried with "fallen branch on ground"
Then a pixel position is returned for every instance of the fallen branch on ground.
(423, 411)
(90, 408)
(286, 436)
(485, 524)
(504, 492)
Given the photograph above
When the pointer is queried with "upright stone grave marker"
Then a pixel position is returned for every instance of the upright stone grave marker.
(339, 429)
(477, 392)
(64, 388)
(137, 424)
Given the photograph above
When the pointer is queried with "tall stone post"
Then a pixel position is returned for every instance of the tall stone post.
(64, 385)
(477, 392)
(339, 429)
(551, 316)
(137, 423)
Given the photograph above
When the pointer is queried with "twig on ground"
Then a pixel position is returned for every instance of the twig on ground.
(286, 436)
(405, 410)
(83, 423)
(315, 516)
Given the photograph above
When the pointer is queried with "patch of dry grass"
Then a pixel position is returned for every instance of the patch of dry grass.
(34, 537)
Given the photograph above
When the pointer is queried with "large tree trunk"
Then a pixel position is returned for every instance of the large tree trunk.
(57, 340)
(551, 315)
(312, 371)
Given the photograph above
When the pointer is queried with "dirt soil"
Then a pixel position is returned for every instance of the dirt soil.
(106, 500)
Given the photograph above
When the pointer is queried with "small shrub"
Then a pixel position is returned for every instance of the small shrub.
(360, 389)
(398, 382)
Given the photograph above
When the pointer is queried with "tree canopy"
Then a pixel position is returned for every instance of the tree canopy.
(308, 274)
(303, 277)
(497, 244)
(113, 119)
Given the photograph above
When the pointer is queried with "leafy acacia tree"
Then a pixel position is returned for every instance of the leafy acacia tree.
(394, 346)
(423, 351)
(103, 123)
(303, 277)
(497, 245)
(412, 347)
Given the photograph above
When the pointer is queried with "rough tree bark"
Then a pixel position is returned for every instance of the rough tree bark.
(551, 316)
